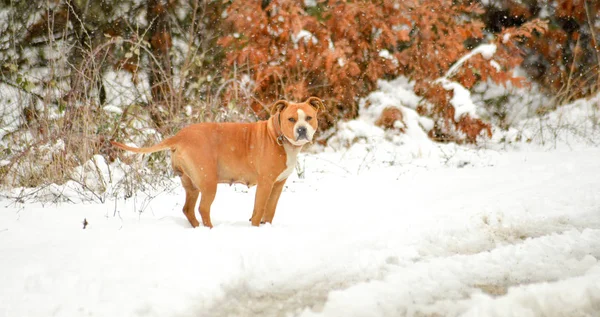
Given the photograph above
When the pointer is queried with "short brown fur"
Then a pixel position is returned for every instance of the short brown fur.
(206, 154)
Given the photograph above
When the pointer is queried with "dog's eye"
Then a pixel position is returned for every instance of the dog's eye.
(292, 120)
(308, 118)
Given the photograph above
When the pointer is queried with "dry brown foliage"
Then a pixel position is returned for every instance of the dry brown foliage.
(388, 118)
(331, 50)
(566, 60)
(339, 49)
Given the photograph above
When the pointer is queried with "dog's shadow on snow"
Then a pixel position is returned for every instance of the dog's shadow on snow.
(233, 224)
(184, 223)
(177, 221)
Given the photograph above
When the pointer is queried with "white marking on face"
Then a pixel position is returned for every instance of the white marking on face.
(301, 122)
(301, 116)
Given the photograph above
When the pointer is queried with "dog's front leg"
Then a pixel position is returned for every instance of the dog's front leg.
(272, 202)
(263, 191)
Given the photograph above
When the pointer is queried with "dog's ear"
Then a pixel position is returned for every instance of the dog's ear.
(316, 103)
(278, 106)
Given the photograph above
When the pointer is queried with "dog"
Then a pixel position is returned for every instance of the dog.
(261, 153)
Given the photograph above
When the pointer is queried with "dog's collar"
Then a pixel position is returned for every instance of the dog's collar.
(280, 138)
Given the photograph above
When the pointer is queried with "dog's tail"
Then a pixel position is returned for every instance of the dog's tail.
(165, 144)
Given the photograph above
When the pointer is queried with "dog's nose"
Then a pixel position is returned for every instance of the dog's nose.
(301, 131)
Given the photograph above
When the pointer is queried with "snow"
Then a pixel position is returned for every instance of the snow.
(305, 36)
(121, 90)
(113, 109)
(10, 112)
(411, 239)
(518, 104)
(385, 54)
(572, 126)
(310, 3)
(461, 98)
(377, 223)
(486, 50)
(496, 65)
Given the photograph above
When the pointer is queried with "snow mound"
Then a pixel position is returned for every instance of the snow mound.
(370, 146)
(574, 125)
(570, 126)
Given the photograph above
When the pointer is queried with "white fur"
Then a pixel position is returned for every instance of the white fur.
(301, 117)
(291, 153)
(310, 131)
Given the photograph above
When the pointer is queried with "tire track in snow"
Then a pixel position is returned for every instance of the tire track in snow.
(241, 300)
(458, 246)
(495, 230)
(518, 225)
(451, 285)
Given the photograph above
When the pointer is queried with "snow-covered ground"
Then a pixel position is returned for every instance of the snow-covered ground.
(507, 233)
(376, 224)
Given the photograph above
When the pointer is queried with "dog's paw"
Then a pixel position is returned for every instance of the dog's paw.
(262, 222)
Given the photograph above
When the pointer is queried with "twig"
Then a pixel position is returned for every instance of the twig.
(589, 20)
(572, 70)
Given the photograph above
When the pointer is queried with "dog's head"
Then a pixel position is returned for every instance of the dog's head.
(298, 121)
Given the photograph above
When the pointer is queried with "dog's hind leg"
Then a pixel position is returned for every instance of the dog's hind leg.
(208, 189)
(191, 196)
(202, 172)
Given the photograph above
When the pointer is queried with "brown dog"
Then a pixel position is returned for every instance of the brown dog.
(262, 153)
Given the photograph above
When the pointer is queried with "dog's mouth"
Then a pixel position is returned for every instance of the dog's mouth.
(301, 140)
(302, 137)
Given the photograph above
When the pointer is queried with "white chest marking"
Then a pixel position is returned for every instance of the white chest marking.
(291, 154)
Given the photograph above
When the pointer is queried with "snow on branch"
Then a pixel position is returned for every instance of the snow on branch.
(461, 99)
